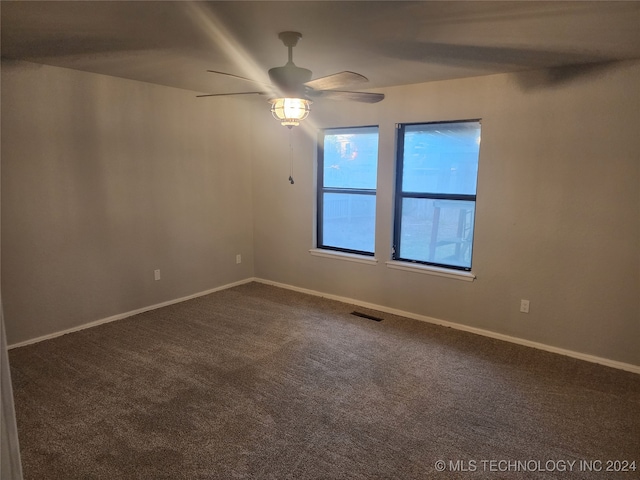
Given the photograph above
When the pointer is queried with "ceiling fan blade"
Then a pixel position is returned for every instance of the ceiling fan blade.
(553, 67)
(486, 56)
(239, 77)
(336, 80)
(364, 97)
(235, 93)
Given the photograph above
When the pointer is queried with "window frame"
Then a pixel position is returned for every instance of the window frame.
(400, 195)
(321, 190)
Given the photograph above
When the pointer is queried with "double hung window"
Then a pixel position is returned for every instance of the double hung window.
(436, 176)
(347, 176)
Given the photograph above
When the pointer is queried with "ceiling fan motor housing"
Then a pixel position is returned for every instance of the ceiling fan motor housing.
(290, 79)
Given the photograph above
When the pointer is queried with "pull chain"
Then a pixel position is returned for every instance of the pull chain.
(290, 159)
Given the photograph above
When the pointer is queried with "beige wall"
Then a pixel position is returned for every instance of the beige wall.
(558, 209)
(105, 180)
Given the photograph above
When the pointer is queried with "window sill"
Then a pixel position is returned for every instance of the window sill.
(350, 257)
(429, 270)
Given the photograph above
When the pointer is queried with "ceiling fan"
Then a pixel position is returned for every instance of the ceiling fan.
(292, 90)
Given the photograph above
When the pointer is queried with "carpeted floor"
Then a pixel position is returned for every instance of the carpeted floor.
(258, 382)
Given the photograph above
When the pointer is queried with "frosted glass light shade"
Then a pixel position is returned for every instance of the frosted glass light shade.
(290, 111)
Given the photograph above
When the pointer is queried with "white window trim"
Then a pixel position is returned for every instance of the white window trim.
(350, 257)
(431, 270)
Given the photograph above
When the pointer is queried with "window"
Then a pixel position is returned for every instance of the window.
(437, 171)
(347, 176)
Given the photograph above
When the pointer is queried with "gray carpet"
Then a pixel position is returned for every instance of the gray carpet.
(265, 383)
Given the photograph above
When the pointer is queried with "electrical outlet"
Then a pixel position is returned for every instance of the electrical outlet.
(156, 274)
(238, 258)
(524, 306)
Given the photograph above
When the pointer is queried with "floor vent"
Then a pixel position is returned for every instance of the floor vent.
(364, 315)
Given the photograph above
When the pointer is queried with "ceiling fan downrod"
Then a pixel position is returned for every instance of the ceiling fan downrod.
(290, 40)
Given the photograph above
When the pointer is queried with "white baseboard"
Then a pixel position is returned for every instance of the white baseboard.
(478, 331)
(121, 316)
(381, 308)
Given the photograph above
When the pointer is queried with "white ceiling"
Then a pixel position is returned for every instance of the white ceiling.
(390, 42)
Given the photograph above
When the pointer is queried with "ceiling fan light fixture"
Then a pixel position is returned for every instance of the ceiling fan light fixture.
(290, 111)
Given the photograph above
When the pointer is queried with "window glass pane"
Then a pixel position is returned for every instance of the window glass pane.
(349, 221)
(441, 158)
(351, 158)
(437, 231)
